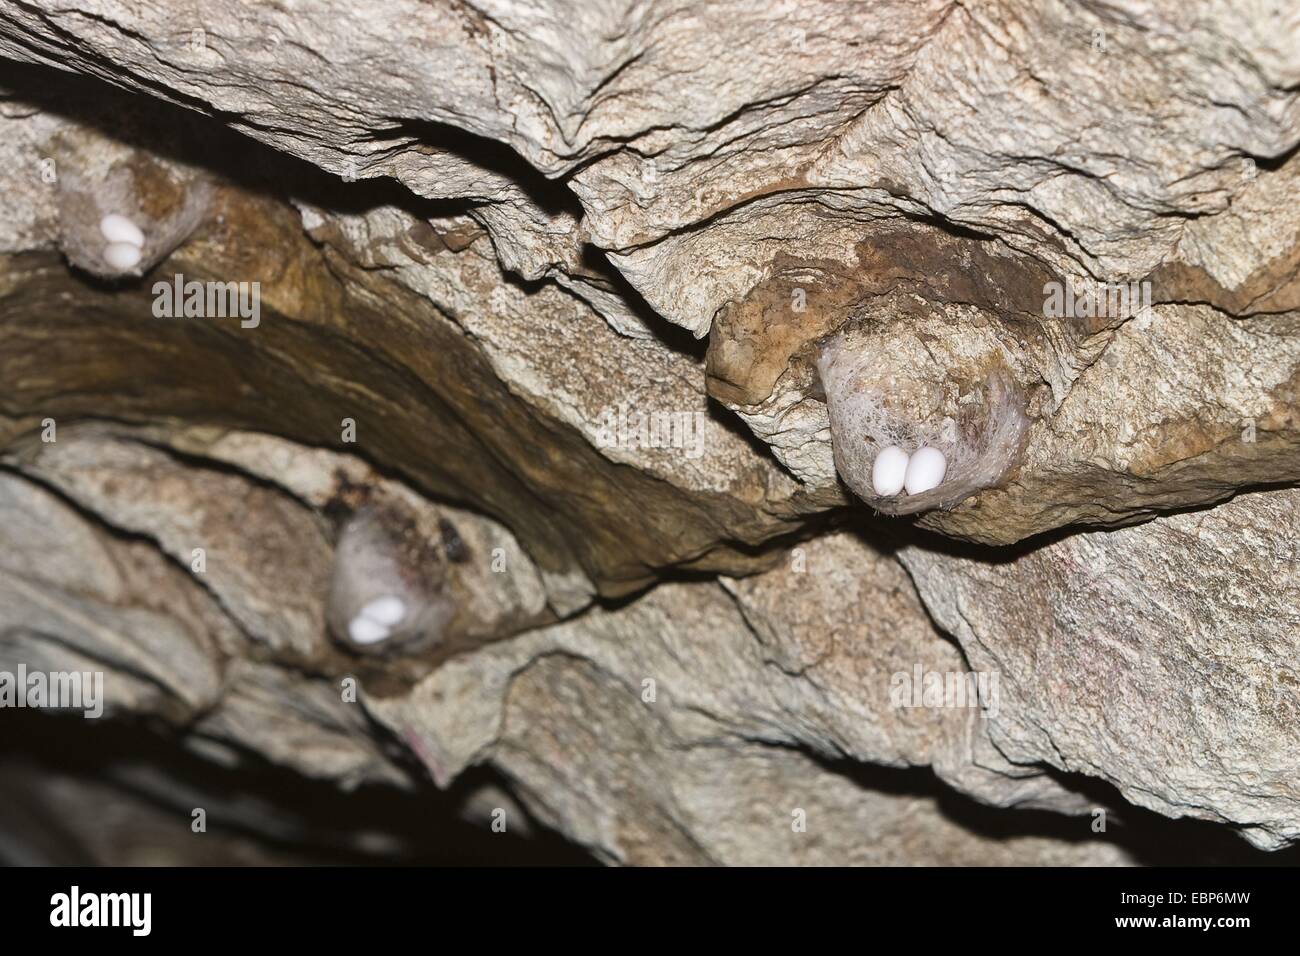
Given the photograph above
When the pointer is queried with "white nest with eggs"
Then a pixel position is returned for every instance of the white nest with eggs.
(120, 215)
(903, 466)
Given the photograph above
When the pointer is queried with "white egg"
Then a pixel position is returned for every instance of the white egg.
(122, 255)
(889, 471)
(117, 228)
(363, 630)
(925, 470)
(387, 610)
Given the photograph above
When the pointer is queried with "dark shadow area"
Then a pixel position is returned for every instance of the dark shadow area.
(1271, 164)
(550, 195)
(195, 137)
(296, 819)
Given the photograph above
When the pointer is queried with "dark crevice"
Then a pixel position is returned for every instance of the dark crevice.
(552, 196)
(1152, 839)
(892, 533)
(666, 333)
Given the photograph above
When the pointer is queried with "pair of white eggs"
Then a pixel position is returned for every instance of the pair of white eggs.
(125, 242)
(375, 621)
(895, 470)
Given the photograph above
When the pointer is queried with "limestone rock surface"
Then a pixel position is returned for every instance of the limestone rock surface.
(550, 299)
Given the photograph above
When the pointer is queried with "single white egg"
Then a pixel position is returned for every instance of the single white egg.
(925, 470)
(122, 255)
(387, 610)
(363, 630)
(117, 228)
(889, 471)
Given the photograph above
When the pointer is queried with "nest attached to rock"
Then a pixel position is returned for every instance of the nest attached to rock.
(983, 443)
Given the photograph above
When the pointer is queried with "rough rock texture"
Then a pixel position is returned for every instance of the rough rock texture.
(578, 326)
(1190, 624)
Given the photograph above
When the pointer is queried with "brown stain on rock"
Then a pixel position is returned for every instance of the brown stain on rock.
(1273, 287)
(160, 194)
(755, 340)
